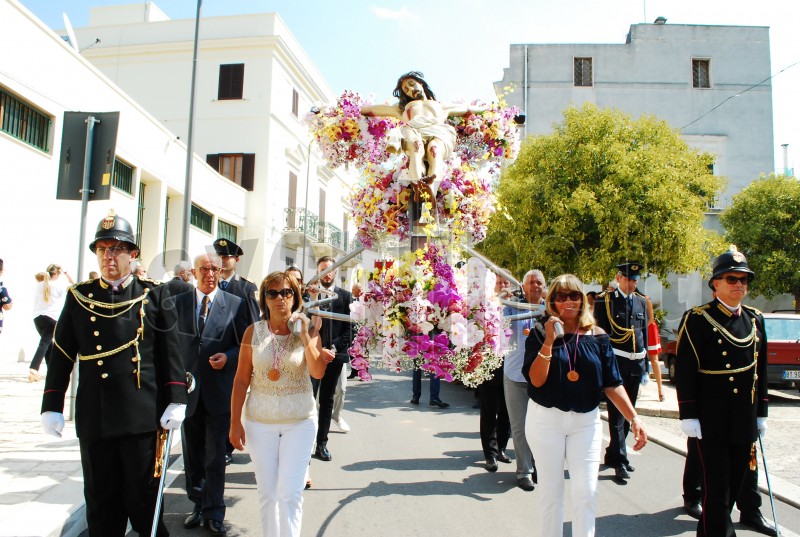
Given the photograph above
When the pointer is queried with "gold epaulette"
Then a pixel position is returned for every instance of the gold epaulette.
(751, 308)
(601, 295)
(698, 310)
(80, 283)
(150, 280)
(636, 292)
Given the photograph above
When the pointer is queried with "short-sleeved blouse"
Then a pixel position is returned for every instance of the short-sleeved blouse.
(290, 398)
(594, 362)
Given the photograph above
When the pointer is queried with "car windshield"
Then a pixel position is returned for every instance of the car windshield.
(782, 329)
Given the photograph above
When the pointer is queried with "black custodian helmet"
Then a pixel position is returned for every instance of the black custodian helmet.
(114, 228)
(731, 261)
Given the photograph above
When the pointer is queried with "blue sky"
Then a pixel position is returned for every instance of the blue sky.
(462, 46)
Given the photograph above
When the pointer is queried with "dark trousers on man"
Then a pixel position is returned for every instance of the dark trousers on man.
(618, 426)
(495, 425)
(745, 495)
(204, 446)
(118, 484)
(324, 390)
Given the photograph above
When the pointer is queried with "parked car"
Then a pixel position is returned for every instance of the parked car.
(783, 361)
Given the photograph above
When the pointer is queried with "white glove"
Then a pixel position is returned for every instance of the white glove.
(53, 423)
(691, 428)
(762, 426)
(173, 416)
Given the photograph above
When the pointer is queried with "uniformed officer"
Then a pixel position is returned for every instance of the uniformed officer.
(232, 282)
(720, 376)
(622, 313)
(132, 378)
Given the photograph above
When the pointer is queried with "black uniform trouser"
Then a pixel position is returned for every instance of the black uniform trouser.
(618, 426)
(495, 425)
(118, 484)
(204, 439)
(748, 501)
(324, 389)
(723, 466)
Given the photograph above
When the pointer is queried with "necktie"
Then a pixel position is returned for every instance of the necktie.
(201, 322)
(223, 284)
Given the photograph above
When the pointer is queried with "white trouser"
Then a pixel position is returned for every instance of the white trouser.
(338, 395)
(281, 453)
(578, 437)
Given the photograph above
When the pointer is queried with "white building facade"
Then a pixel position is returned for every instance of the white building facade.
(41, 78)
(254, 85)
(687, 75)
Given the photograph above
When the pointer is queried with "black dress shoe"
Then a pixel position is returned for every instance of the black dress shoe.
(693, 508)
(353, 374)
(193, 520)
(491, 464)
(620, 473)
(502, 457)
(628, 467)
(438, 402)
(216, 527)
(228, 459)
(415, 400)
(758, 523)
(322, 454)
(525, 483)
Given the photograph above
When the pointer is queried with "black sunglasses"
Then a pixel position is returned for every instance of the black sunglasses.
(733, 280)
(272, 294)
(574, 296)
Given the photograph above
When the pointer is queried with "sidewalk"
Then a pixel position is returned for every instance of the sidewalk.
(41, 486)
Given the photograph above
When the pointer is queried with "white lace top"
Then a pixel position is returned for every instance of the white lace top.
(288, 399)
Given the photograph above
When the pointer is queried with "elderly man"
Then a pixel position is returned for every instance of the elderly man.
(182, 281)
(514, 384)
(120, 330)
(211, 324)
(721, 379)
(622, 313)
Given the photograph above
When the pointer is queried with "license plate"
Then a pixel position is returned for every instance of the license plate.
(791, 375)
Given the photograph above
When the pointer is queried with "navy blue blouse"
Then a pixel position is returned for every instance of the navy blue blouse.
(595, 364)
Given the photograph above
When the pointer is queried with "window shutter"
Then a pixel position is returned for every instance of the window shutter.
(248, 171)
(213, 161)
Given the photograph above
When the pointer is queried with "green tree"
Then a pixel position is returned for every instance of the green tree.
(600, 189)
(764, 223)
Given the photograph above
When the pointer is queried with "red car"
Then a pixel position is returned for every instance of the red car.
(783, 362)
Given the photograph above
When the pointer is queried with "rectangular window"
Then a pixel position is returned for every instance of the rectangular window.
(226, 231)
(140, 214)
(295, 102)
(701, 70)
(238, 167)
(23, 121)
(123, 177)
(231, 81)
(583, 71)
(200, 219)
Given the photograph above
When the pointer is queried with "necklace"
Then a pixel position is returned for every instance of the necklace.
(572, 375)
(277, 348)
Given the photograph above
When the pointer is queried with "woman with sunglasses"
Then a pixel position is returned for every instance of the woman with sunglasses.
(569, 365)
(274, 363)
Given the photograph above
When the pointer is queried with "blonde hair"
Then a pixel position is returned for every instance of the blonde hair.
(570, 282)
(52, 270)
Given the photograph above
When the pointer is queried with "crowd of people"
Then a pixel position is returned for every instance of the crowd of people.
(249, 367)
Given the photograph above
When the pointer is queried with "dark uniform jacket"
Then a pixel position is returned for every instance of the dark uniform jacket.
(223, 332)
(720, 372)
(616, 315)
(338, 333)
(247, 291)
(127, 349)
(177, 286)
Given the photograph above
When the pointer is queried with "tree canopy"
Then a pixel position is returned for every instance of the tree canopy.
(763, 222)
(601, 189)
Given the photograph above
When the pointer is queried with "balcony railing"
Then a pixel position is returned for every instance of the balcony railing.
(331, 234)
(298, 220)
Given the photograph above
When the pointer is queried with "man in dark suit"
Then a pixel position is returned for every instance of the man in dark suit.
(120, 330)
(211, 324)
(182, 281)
(336, 339)
(232, 282)
(720, 376)
(622, 313)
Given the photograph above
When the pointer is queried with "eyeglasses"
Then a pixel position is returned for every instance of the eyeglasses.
(208, 270)
(733, 280)
(272, 294)
(113, 250)
(574, 296)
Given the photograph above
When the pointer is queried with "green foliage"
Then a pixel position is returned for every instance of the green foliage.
(601, 189)
(763, 222)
